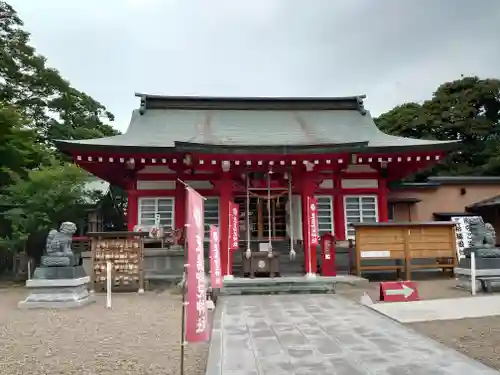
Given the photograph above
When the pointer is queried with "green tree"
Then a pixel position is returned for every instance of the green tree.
(18, 150)
(466, 110)
(53, 108)
(37, 105)
(48, 195)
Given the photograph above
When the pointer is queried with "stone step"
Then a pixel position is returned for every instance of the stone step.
(279, 285)
(278, 289)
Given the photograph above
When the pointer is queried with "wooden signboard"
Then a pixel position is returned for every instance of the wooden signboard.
(403, 242)
(125, 250)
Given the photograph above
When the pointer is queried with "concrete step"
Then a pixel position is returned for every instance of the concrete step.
(278, 285)
(279, 289)
(292, 284)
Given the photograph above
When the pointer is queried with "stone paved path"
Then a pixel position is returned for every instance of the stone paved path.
(322, 334)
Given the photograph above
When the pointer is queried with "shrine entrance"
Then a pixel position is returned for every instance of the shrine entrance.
(267, 217)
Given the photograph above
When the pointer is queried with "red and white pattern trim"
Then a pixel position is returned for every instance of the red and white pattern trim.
(356, 159)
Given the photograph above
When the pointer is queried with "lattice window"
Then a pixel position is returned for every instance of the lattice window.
(211, 208)
(325, 214)
(359, 209)
(150, 207)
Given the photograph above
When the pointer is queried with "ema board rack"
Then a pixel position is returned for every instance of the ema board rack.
(125, 251)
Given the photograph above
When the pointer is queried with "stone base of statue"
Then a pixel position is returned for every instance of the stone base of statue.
(463, 278)
(59, 261)
(487, 266)
(58, 287)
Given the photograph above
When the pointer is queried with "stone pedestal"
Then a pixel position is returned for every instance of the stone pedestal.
(60, 261)
(58, 288)
(464, 280)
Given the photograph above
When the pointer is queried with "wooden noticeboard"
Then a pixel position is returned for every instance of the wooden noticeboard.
(125, 250)
(402, 242)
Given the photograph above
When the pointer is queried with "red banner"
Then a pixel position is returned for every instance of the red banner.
(215, 268)
(312, 207)
(234, 225)
(196, 318)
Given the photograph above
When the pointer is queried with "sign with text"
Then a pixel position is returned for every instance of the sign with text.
(398, 291)
(196, 314)
(463, 232)
(312, 207)
(215, 268)
(234, 226)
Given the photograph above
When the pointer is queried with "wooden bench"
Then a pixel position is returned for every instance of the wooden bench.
(486, 282)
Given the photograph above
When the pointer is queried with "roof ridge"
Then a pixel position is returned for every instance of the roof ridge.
(247, 103)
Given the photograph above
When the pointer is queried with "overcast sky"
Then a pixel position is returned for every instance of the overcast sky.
(392, 50)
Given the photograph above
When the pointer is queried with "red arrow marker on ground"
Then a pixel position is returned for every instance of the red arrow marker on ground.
(398, 291)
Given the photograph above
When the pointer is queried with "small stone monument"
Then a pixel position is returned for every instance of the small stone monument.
(59, 282)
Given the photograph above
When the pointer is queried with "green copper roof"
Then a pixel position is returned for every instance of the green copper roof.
(286, 122)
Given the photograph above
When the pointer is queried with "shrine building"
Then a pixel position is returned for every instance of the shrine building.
(267, 154)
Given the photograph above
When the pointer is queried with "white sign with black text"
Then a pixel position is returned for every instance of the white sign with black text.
(463, 232)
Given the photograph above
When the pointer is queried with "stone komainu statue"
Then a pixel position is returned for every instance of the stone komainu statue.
(483, 240)
(490, 237)
(59, 242)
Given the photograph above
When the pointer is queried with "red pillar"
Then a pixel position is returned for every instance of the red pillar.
(307, 191)
(180, 206)
(383, 215)
(338, 208)
(132, 206)
(225, 189)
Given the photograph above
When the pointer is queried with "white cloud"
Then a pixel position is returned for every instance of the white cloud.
(394, 51)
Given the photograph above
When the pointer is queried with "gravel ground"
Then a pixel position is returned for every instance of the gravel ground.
(429, 287)
(139, 335)
(478, 338)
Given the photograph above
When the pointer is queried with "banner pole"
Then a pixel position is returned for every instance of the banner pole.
(183, 287)
(228, 241)
(248, 210)
(309, 250)
(269, 210)
(290, 215)
(184, 304)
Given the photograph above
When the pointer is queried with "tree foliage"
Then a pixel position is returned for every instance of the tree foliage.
(54, 108)
(465, 110)
(49, 195)
(18, 151)
(38, 188)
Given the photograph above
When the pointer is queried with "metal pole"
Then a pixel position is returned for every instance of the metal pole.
(183, 312)
(108, 284)
(269, 207)
(228, 241)
(248, 211)
(290, 220)
(473, 272)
